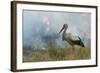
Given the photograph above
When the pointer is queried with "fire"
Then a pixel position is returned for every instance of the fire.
(47, 22)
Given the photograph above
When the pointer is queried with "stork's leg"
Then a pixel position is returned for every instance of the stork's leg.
(73, 49)
(73, 55)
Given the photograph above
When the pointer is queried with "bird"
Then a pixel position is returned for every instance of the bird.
(71, 39)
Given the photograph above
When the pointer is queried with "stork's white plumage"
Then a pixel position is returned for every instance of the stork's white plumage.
(71, 39)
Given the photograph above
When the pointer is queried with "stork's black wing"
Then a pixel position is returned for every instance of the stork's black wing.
(78, 42)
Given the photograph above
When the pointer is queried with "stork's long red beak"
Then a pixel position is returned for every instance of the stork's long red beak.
(61, 29)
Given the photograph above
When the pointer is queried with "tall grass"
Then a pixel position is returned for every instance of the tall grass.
(56, 54)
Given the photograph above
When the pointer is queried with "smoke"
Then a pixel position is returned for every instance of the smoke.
(41, 27)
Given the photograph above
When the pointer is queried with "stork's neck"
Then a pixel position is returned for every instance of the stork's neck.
(64, 31)
(64, 34)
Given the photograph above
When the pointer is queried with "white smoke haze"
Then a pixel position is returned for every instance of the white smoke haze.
(40, 27)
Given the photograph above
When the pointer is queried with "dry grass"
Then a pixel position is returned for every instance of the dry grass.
(57, 54)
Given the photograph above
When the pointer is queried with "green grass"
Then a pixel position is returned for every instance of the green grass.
(57, 54)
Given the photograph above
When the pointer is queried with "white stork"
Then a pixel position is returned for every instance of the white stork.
(72, 40)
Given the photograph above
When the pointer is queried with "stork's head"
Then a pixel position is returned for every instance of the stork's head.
(65, 26)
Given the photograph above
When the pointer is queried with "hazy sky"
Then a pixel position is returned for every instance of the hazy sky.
(39, 25)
